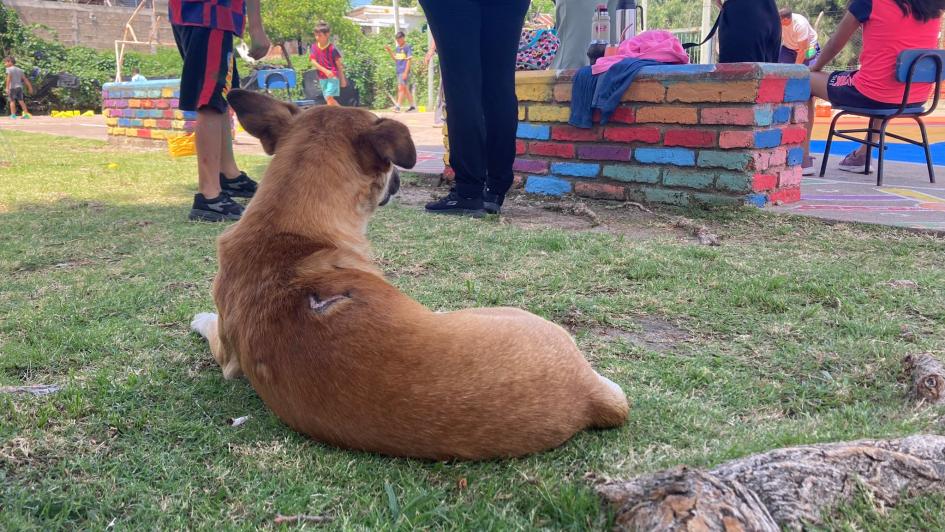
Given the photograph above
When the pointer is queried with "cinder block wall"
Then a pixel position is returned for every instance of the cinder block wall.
(145, 110)
(683, 135)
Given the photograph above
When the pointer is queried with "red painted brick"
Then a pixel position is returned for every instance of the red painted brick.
(734, 70)
(771, 90)
(147, 104)
(623, 115)
(519, 147)
(737, 116)
(168, 114)
(144, 133)
(793, 135)
(574, 133)
(736, 139)
(649, 135)
(551, 149)
(600, 190)
(162, 104)
(763, 182)
(785, 195)
(164, 124)
(690, 138)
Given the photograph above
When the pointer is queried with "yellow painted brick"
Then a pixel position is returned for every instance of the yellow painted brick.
(177, 124)
(645, 91)
(533, 92)
(178, 114)
(562, 92)
(446, 158)
(167, 92)
(134, 103)
(158, 134)
(149, 122)
(521, 112)
(548, 113)
(728, 91)
(111, 122)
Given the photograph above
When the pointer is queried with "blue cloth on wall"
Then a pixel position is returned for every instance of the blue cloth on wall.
(589, 92)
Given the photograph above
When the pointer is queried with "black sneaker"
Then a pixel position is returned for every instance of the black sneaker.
(240, 186)
(218, 209)
(412, 109)
(453, 204)
(492, 203)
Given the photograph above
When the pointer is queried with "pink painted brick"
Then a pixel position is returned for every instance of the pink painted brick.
(771, 90)
(649, 135)
(599, 152)
(162, 104)
(778, 157)
(761, 160)
(530, 166)
(689, 138)
(763, 182)
(801, 113)
(189, 125)
(519, 147)
(737, 116)
(175, 103)
(790, 177)
(793, 135)
(736, 139)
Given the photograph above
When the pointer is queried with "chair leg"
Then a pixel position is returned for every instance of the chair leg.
(882, 149)
(833, 127)
(869, 147)
(928, 152)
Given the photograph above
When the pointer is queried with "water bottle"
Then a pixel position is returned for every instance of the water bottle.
(626, 23)
(600, 34)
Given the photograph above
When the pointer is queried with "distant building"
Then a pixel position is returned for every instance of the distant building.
(372, 18)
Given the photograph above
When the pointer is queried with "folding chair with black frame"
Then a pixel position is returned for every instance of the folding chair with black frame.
(912, 66)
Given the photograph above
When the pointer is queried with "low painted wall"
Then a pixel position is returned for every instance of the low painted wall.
(145, 110)
(683, 135)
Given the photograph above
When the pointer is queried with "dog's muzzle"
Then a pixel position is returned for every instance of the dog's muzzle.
(393, 185)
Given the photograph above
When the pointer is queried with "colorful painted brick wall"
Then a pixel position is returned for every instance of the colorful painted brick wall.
(683, 135)
(145, 110)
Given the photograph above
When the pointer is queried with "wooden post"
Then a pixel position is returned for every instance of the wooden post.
(707, 52)
(396, 16)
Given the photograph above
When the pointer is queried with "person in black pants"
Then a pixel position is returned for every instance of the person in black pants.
(477, 41)
(749, 31)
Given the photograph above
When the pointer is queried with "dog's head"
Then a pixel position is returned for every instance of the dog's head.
(356, 150)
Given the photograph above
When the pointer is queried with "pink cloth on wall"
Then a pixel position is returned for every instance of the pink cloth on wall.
(658, 45)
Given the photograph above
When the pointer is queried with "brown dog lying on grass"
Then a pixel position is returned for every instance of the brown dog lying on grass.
(340, 354)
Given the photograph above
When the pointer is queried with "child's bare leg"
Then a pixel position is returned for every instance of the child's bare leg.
(23, 105)
(818, 88)
(12, 107)
(330, 100)
(209, 132)
(227, 161)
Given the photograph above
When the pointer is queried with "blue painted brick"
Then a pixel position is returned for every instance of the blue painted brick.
(134, 122)
(768, 139)
(124, 122)
(576, 169)
(127, 113)
(797, 90)
(548, 186)
(142, 113)
(675, 156)
(764, 116)
(782, 115)
(190, 115)
(139, 94)
(732, 160)
(758, 200)
(795, 156)
(177, 94)
(156, 113)
(532, 131)
(154, 93)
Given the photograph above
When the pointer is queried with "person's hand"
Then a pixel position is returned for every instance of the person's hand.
(428, 57)
(404, 77)
(387, 47)
(330, 74)
(261, 44)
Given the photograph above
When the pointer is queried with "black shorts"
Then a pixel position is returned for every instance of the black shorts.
(16, 94)
(209, 67)
(842, 93)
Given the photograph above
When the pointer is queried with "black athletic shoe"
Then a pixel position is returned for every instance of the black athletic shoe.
(219, 209)
(453, 204)
(240, 186)
(411, 109)
(492, 203)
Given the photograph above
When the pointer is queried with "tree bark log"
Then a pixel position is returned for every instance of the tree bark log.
(927, 378)
(783, 488)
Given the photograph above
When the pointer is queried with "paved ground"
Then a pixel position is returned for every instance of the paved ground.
(907, 199)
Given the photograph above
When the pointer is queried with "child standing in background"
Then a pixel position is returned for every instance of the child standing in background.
(326, 59)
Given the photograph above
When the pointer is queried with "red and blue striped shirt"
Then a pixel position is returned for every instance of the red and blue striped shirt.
(226, 15)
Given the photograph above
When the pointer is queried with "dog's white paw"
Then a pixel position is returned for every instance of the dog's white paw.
(202, 323)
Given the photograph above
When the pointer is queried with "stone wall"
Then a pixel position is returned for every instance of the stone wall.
(94, 26)
(683, 135)
(145, 110)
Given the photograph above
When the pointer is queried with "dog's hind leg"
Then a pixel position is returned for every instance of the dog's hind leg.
(207, 324)
(609, 404)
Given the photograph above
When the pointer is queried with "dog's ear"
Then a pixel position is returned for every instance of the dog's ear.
(387, 141)
(262, 116)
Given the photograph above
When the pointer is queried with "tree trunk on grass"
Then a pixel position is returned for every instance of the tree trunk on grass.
(783, 488)
(927, 378)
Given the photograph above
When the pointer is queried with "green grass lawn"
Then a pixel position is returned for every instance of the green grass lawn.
(786, 334)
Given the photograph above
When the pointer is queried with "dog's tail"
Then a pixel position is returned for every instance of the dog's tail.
(609, 405)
